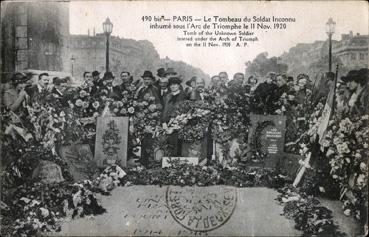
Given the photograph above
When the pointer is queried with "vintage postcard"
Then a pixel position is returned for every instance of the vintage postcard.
(184, 118)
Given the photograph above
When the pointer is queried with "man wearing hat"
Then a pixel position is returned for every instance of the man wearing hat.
(163, 89)
(161, 74)
(262, 93)
(96, 77)
(170, 72)
(101, 85)
(60, 91)
(148, 89)
(57, 89)
(97, 83)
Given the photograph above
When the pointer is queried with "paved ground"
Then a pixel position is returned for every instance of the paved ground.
(175, 211)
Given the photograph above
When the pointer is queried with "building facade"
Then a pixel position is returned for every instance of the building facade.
(35, 36)
(88, 53)
(352, 50)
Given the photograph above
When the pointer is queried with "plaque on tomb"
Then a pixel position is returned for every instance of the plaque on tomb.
(48, 172)
(167, 161)
(266, 137)
(80, 161)
(111, 141)
(146, 210)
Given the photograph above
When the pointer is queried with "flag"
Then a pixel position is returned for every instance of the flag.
(327, 111)
(326, 115)
(322, 127)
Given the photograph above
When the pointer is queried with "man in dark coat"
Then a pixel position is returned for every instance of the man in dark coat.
(97, 83)
(262, 94)
(148, 89)
(198, 92)
(161, 74)
(163, 89)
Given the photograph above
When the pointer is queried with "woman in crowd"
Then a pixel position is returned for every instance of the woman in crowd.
(171, 102)
(16, 96)
(358, 85)
(173, 99)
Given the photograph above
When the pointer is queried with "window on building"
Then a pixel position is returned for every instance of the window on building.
(362, 56)
(353, 56)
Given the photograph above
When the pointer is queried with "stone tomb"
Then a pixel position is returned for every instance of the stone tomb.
(111, 141)
(185, 211)
(267, 136)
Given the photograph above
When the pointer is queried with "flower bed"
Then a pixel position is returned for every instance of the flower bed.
(309, 215)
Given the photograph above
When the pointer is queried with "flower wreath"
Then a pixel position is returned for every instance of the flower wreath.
(256, 140)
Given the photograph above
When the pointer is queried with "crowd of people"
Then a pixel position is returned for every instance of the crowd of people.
(274, 94)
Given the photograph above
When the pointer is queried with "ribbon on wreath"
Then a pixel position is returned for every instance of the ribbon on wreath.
(303, 166)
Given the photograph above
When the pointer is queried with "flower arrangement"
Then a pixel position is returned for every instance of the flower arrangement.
(191, 120)
(309, 214)
(184, 174)
(47, 125)
(230, 118)
(342, 160)
(346, 148)
(40, 208)
(80, 102)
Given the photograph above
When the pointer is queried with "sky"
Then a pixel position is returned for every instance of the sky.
(311, 17)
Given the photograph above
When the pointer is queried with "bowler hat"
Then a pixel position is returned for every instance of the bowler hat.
(170, 71)
(160, 72)
(19, 78)
(148, 74)
(174, 80)
(188, 83)
(108, 75)
(95, 73)
(57, 81)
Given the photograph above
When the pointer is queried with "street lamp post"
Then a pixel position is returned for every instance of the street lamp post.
(72, 59)
(330, 28)
(108, 28)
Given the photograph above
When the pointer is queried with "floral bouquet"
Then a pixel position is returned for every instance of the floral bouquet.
(346, 148)
(40, 207)
(191, 120)
(47, 125)
(80, 102)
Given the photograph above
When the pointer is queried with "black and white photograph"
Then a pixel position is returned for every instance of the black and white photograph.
(184, 118)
